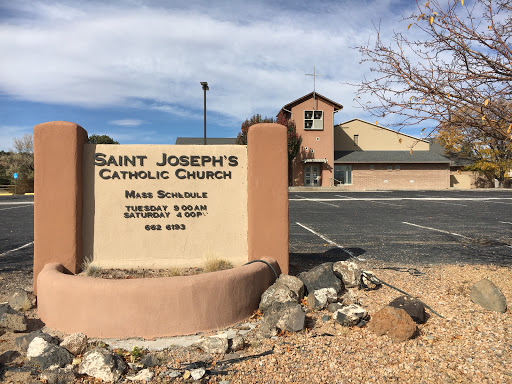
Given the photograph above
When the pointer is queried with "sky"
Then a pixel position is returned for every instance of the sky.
(131, 69)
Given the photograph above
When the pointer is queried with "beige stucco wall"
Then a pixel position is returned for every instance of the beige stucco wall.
(320, 141)
(112, 240)
(373, 138)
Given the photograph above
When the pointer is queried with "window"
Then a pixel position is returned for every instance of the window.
(314, 120)
(390, 167)
(342, 174)
(356, 139)
(372, 167)
(397, 167)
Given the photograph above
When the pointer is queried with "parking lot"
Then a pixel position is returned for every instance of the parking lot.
(402, 227)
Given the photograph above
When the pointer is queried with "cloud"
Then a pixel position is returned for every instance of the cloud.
(127, 122)
(8, 132)
(153, 56)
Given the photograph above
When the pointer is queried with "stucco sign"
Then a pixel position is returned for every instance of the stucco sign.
(157, 206)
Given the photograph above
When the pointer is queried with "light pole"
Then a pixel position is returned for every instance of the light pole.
(205, 88)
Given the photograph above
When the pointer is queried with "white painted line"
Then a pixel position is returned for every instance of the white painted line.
(16, 249)
(437, 230)
(380, 202)
(17, 203)
(330, 241)
(505, 222)
(346, 197)
(442, 202)
(23, 206)
(498, 202)
(316, 201)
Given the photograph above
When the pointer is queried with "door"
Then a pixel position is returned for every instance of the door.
(312, 175)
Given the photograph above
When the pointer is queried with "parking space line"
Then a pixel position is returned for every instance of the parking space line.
(315, 201)
(437, 230)
(23, 206)
(498, 202)
(505, 222)
(442, 202)
(346, 197)
(380, 202)
(16, 249)
(16, 202)
(330, 241)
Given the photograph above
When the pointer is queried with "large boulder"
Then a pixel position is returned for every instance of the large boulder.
(75, 343)
(56, 375)
(22, 342)
(293, 283)
(287, 317)
(102, 364)
(277, 293)
(487, 295)
(214, 344)
(414, 307)
(44, 354)
(321, 276)
(349, 272)
(394, 322)
(320, 298)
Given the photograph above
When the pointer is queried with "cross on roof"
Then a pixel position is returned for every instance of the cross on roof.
(314, 74)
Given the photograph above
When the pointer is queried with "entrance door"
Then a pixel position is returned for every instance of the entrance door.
(312, 175)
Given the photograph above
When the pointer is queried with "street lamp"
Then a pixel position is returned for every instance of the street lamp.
(204, 84)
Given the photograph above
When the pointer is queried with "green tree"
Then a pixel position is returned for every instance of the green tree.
(294, 140)
(21, 161)
(103, 139)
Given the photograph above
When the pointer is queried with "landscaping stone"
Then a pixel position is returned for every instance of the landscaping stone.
(487, 295)
(144, 375)
(294, 284)
(213, 344)
(350, 315)
(236, 343)
(8, 356)
(349, 272)
(20, 300)
(394, 322)
(197, 373)
(22, 342)
(150, 360)
(320, 298)
(287, 317)
(75, 343)
(12, 319)
(102, 364)
(321, 276)
(44, 354)
(414, 307)
(56, 375)
(333, 307)
(279, 293)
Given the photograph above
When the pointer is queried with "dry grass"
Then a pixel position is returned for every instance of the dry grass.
(215, 264)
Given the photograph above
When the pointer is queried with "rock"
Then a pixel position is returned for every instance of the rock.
(12, 319)
(277, 293)
(150, 360)
(56, 375)
(350, 315)
(214, 344)
(144, 375)
(20, 300)
(102, 364)
(22, 342)
(319, 298)
(487, 295)
(333, 307)
(326, 318)
(43, 354)
(75, 343)
(350, 297)
(236, 343)
(413, 307)
(321, 276)
(8, 356)
(287, 317)
(173, 374)
(349, 272)
(197, 373)
(394, 322)
(294, 284)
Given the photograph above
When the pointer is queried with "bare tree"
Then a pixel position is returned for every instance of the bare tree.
(452, 63)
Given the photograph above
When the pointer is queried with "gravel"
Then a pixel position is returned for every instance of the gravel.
(468, 345)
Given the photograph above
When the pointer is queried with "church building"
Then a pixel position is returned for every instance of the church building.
(358, 155)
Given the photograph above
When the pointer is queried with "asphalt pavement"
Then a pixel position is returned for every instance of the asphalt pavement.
(403, 227)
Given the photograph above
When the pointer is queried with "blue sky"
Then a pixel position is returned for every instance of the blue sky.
(131, 69)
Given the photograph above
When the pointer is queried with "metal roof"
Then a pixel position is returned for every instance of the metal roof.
(388, 157)
(310, 95)
(209, 140)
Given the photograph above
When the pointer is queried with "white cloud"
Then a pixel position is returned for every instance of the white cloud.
(254, 56)
(127, 122)
(8, 132)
